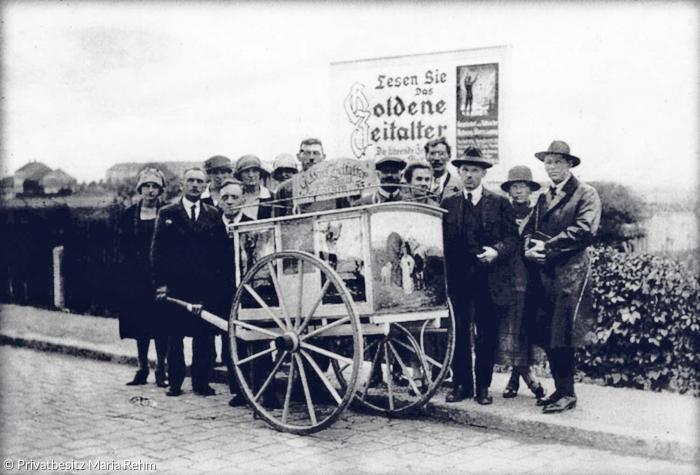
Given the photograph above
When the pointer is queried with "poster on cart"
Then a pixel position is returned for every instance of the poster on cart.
(393, 106)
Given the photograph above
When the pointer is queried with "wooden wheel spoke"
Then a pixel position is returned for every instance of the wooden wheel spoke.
(324, 328)
(404, 369)
(288, 394)
(280, 297)
(318, 301)
(255, 356)
(253, 328)
(389, 377)
(427, 358)
(323, 378)
(372, 368)
(271, 376)
(267, 309)
(327, 353)
(307, 393)
(300, 301)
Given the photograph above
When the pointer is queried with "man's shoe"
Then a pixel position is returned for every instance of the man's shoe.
(459, 393)
(271, 401)
(510, 393)
(483, 397)
(174, 392)
(204, 391)
(237, 400)
(554, 397)
(140, 378)
(161, 380)
(564, 403)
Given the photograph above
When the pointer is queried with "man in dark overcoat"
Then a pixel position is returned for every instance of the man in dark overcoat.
(557, 236)
(480, 237)
(181, 260)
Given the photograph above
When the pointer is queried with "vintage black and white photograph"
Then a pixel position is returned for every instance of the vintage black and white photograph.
(349, 237)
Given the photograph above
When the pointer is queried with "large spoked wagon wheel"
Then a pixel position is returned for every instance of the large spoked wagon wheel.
(282, 351)
(404, 368)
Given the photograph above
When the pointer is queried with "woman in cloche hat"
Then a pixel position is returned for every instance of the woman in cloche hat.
(514, 348)
(139, 317)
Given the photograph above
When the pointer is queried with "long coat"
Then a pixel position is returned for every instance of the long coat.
(500, 233)
(182, 259)
(138, 314)
(558, 301)
(514, 346)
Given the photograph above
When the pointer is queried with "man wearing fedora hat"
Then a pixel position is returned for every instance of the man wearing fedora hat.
(389, 174)
(515, 348)
(480, 237)
(557, 237)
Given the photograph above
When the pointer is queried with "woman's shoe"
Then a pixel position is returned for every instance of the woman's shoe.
(539, 392)
(510, 393)
(139, 378)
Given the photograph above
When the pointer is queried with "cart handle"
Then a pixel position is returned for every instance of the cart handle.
(198, 311)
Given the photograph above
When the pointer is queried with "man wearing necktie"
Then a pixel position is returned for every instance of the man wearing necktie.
(480, 237)
(181, 259)
(557, 236)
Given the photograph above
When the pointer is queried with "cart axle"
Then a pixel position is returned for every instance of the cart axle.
(289, 341)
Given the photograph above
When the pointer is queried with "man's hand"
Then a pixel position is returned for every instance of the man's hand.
(161, 292)
(488, 256)
(536, 254)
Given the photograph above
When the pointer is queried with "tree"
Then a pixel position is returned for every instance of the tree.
(622, 215)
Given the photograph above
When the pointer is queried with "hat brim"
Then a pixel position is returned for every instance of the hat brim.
(457, 162)
(505, 186)
(396, 163)
(575, 161)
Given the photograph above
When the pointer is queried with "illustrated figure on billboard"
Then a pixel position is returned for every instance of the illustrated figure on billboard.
(357, 109)
(468, 93)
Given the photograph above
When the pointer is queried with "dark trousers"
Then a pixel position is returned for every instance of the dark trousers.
(142, 345)
(201, 361)
(474, 305)
(562, 366)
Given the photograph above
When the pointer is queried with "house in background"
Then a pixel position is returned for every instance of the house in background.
(58, 182)
(27, 180)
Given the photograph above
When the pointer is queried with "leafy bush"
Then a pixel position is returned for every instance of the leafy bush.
(621, 214)
(648, 329)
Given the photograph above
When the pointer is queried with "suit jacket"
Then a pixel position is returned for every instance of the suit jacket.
(558, 302)
(453, 186)
(499, 232)
(224, 270)
(376, 197)
(181, 259)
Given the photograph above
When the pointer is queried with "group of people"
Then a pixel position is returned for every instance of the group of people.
(516, 272)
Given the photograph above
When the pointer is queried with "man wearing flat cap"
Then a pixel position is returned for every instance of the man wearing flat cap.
(480, 238)
(218, 168)
(389, 174)
(557, 237)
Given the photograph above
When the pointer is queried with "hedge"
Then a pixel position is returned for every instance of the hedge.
(648, 329)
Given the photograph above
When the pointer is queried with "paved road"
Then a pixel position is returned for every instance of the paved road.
(60, 409)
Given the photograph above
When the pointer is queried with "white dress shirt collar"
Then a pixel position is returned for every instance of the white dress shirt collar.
(187, 204)
(476, 194)
(560, 186)
(386, 194)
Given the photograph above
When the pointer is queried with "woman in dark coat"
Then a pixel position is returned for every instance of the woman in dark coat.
(139, 316)
(515, 347)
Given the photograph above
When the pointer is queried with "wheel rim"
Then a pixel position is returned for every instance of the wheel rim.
(308, 396)
(404, 368)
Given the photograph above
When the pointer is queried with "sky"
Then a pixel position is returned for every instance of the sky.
(90, 84)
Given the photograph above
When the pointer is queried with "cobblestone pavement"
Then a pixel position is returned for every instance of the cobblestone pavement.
(60, 409)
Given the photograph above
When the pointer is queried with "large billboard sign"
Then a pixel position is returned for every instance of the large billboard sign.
(393, 106)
